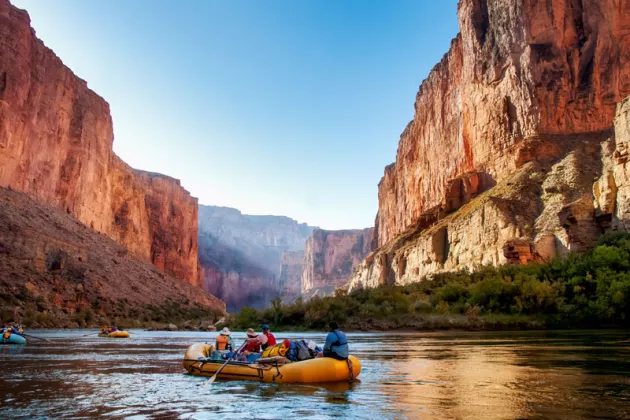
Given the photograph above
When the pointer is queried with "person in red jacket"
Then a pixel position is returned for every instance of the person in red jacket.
(271, 340)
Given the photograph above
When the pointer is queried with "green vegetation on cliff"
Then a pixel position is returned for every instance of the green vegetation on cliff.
(588, 290)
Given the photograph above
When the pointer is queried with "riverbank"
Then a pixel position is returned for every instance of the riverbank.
(591, 290)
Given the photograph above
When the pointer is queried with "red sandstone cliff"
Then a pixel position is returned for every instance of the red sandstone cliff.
(518, 70)
(330, 257)
(511, 155)
(56, 141)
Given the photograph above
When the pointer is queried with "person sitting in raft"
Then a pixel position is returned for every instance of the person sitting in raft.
(17, 329)
(271, 339)
(336, 345)
(254, 342)
(224, 340)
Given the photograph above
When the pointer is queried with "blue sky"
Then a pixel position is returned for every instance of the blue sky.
(285, 107)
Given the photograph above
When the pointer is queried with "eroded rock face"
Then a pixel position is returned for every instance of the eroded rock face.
(242, 256)
(612, 191)
(511, 156)
(291, 275)
(52, 267)
(56, 141)
(518, 70)
(544, 209)
(330, 257)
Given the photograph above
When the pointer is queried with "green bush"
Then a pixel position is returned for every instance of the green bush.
(586, 290)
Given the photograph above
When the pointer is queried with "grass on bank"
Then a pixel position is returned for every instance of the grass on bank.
(590, 290)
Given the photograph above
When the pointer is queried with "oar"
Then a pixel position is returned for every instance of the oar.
(224, 365)
(32, 336)
(85, 335)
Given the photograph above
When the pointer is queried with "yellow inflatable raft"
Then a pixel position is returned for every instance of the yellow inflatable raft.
(115, 334)
(317, 370)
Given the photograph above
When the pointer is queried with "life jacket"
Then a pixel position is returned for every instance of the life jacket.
(6, 335)
(252, 346)
(277, 350)
(271, 339)
(223, 342)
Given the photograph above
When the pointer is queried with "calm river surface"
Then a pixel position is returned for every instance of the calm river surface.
(569, 375)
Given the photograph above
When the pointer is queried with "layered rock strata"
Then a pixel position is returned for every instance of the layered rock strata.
(290, 281)
(330, 257)
(56, 142)
(511, 129)
(242, 256)
(517, 70)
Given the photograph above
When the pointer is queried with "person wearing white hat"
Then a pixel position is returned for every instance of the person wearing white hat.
(255, 341)
(224, 340)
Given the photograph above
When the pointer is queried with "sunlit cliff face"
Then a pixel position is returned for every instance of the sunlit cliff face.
(518, 148)
(56, 140)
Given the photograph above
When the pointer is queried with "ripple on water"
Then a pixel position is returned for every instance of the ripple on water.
(411, 375)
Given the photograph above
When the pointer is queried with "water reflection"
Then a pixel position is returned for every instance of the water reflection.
(443, 375)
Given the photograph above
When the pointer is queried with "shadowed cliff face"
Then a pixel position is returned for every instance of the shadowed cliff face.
(518, 71)
(242, 256)
(56, 146)
(53, 267)
(290, 281)
(524, 103)
(330, 257)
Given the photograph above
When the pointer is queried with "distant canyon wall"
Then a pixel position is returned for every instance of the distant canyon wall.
(243, 256)
(56, 140)
(290, 282)
(330, 257)
(511, 156)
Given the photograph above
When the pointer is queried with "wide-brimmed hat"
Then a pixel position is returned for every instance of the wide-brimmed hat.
(251, 333)
(225, 331)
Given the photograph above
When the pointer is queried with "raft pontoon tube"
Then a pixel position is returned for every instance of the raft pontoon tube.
(116, 334)
(317, 370)
(14, 339)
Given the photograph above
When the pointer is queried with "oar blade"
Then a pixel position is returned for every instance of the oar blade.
(210, 381)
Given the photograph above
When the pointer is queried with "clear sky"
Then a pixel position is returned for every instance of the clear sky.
(284, 107)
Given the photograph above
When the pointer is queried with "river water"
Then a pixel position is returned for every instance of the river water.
(564, 375)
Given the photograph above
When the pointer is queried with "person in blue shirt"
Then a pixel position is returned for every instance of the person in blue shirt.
(336, 345)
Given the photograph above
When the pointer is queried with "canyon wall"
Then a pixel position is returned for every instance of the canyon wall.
(330, 257)
(56, 140)
(56, 272)
(290, 282)
(516, 71)
(524, 104)
(242, 256)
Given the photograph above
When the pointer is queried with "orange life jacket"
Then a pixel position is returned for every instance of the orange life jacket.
(223, 341)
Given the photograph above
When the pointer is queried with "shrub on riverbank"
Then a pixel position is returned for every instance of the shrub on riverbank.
(588, 290)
